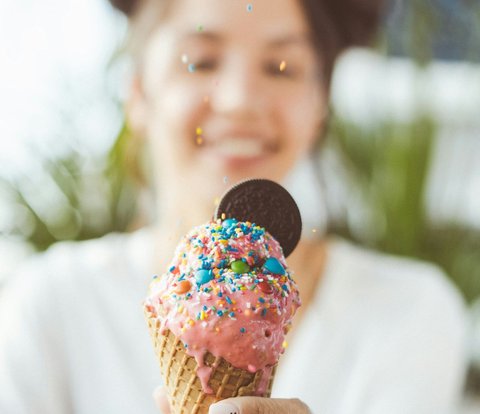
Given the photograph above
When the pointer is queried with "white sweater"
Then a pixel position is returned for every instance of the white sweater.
(383, 336)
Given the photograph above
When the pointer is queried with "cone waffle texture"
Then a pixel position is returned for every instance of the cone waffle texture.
(183, 386)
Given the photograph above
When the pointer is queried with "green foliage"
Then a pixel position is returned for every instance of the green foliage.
(72, 198)
(123, 176)
(387, 167)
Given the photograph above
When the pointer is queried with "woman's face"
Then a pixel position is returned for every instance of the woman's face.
(229, 91)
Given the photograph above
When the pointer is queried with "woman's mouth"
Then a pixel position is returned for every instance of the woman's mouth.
(238, 152)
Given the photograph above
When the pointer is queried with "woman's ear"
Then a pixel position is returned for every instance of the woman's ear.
(136, 107)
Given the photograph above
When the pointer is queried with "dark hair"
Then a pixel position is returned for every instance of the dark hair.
(336, 24)
(127, 7)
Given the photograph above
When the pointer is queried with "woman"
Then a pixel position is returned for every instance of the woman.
(222, 91)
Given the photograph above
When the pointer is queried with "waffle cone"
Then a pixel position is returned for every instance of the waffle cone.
(183, 386)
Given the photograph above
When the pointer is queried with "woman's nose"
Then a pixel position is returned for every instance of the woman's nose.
(238, 91)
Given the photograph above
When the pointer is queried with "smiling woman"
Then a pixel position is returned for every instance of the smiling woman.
(221, 89)
(255, 119)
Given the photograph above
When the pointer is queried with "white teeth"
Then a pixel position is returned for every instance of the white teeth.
(239, 147)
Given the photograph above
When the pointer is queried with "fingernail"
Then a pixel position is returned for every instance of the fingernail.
(223, 408)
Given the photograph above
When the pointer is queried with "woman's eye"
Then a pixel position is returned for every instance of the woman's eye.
(278, 69)
(205, 65)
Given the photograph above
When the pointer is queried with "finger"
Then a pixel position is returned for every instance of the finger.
(161, 400)
(258, 405)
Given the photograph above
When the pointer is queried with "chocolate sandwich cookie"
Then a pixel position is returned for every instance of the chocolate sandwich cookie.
(267, 204)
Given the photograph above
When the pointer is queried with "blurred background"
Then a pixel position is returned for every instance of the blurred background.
(400, 168)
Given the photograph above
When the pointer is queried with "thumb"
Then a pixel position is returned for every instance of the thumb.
(259, 405)
(161, 400)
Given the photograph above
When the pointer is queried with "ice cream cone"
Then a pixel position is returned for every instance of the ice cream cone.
(184, 387)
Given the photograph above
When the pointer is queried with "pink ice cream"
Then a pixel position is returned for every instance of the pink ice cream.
(228, 291)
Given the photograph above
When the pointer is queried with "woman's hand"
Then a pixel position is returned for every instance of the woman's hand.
(243, 405)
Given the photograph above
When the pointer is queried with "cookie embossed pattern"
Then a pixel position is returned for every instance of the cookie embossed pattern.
(219, 315)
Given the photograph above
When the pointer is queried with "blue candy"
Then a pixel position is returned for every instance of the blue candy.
(229, 223)
(274, 266)
(203, 276)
